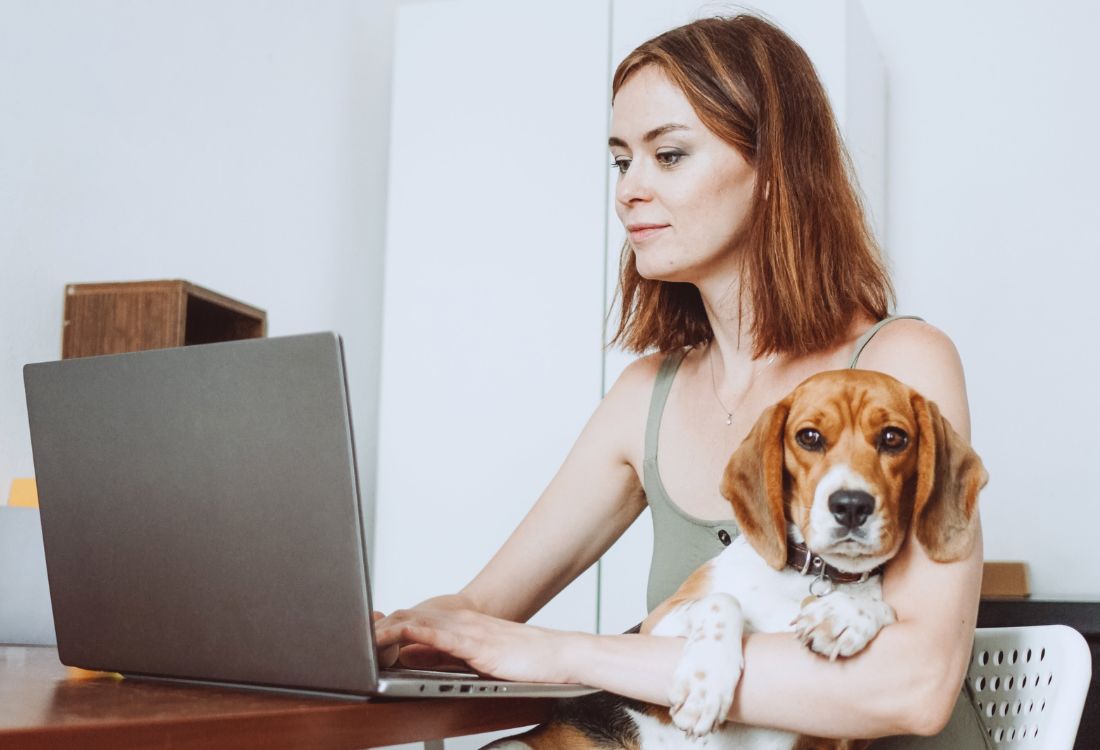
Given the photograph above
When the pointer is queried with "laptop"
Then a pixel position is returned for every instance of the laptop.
(202, 521)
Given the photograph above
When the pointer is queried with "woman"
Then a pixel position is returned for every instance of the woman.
(749, 267)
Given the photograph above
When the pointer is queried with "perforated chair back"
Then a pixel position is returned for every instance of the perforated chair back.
(1030, 684)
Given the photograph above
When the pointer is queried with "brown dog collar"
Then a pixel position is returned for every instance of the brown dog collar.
(807, 563)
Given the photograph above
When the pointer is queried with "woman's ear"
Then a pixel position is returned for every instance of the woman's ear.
(753, 483)
(949, 477)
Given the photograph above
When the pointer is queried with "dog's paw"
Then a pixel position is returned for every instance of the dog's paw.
(703, 686)
(840, 624)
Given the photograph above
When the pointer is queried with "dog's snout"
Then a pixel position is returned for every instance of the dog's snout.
(851, 508)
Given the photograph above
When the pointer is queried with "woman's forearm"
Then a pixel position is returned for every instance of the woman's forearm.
(890, 688)
(637, 666)
(894, 686)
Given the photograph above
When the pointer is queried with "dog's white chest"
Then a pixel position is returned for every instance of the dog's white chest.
(744, 594)
(769, 598)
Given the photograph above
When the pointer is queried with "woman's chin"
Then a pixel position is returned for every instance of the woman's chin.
(661, 272)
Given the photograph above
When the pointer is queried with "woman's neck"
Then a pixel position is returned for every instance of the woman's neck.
(731, 350)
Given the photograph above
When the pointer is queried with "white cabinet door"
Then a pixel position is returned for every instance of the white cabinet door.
(494, 283)
(836, 36)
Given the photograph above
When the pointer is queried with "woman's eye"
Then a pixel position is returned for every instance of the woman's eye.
(621, 163)
(669, 158)
(893, 440)
(810, 439)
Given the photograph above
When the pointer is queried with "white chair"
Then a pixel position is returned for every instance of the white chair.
(1029, 684)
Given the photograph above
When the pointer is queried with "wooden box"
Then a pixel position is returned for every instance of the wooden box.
(1005, 579)
(138, 315)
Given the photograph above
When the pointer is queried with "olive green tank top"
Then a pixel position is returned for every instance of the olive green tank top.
(682, 542)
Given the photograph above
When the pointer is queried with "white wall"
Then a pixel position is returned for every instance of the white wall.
(992, 159)
(241, 145)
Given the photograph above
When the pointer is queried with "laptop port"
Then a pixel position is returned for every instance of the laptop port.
(446, 688)
(464, 689)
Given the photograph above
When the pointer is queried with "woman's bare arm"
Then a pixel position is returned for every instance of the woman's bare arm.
(589, 503)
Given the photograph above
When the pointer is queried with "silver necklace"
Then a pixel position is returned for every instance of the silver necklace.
(714, 383)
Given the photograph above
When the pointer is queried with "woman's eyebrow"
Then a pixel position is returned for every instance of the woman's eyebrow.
(655, 133)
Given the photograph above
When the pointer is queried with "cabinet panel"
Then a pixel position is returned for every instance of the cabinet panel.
(494, 283)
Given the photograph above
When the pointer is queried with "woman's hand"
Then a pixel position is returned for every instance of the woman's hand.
(490, 646)
(415, 655)
(387, 656)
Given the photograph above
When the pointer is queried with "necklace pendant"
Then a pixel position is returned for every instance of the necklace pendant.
(729, 419)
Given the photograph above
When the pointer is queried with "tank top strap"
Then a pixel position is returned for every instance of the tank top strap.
(661, 387)
(870, 332)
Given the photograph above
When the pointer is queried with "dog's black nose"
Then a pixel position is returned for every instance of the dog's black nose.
(850, 508)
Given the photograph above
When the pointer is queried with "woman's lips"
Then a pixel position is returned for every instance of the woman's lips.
(640, 232)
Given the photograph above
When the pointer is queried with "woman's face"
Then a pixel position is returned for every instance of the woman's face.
(683, 194)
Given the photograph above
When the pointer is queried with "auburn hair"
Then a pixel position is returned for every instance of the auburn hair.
(810, 258)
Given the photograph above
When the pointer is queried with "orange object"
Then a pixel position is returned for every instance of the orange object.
(76, 673)
(24, 494)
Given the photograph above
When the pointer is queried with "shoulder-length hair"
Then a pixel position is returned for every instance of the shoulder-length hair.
(811, 261)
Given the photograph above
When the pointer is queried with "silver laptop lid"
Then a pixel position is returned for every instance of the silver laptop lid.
(201, 513)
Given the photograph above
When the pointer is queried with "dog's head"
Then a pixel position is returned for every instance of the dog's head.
(852, 458)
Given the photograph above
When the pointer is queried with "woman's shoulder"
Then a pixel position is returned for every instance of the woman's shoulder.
(633, 389)
(910, 345)
(923, 357)
(622, 415)
(641, 374)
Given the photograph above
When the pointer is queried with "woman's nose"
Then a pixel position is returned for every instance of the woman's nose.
(633, 186)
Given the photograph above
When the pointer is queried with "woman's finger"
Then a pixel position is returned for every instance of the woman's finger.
(443, 640)
(418, 656)
(387, 648)
(388, 656)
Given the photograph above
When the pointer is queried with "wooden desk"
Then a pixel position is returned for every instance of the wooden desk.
(42, 706)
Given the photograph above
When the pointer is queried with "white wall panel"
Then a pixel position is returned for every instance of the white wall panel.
(494, 283)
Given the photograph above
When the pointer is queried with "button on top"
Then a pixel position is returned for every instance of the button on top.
(724, 537)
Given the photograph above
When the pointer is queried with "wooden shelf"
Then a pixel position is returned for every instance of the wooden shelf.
(112, 318)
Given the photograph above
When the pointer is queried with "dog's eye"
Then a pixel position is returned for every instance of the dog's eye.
(810, 439)
(892, 440)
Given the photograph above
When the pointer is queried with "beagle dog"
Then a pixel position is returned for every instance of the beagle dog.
(824, 489)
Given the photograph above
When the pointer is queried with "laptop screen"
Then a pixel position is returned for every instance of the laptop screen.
(201, 513)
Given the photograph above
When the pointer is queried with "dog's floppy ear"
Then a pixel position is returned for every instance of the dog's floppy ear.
(753, 483)
(949, 477)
